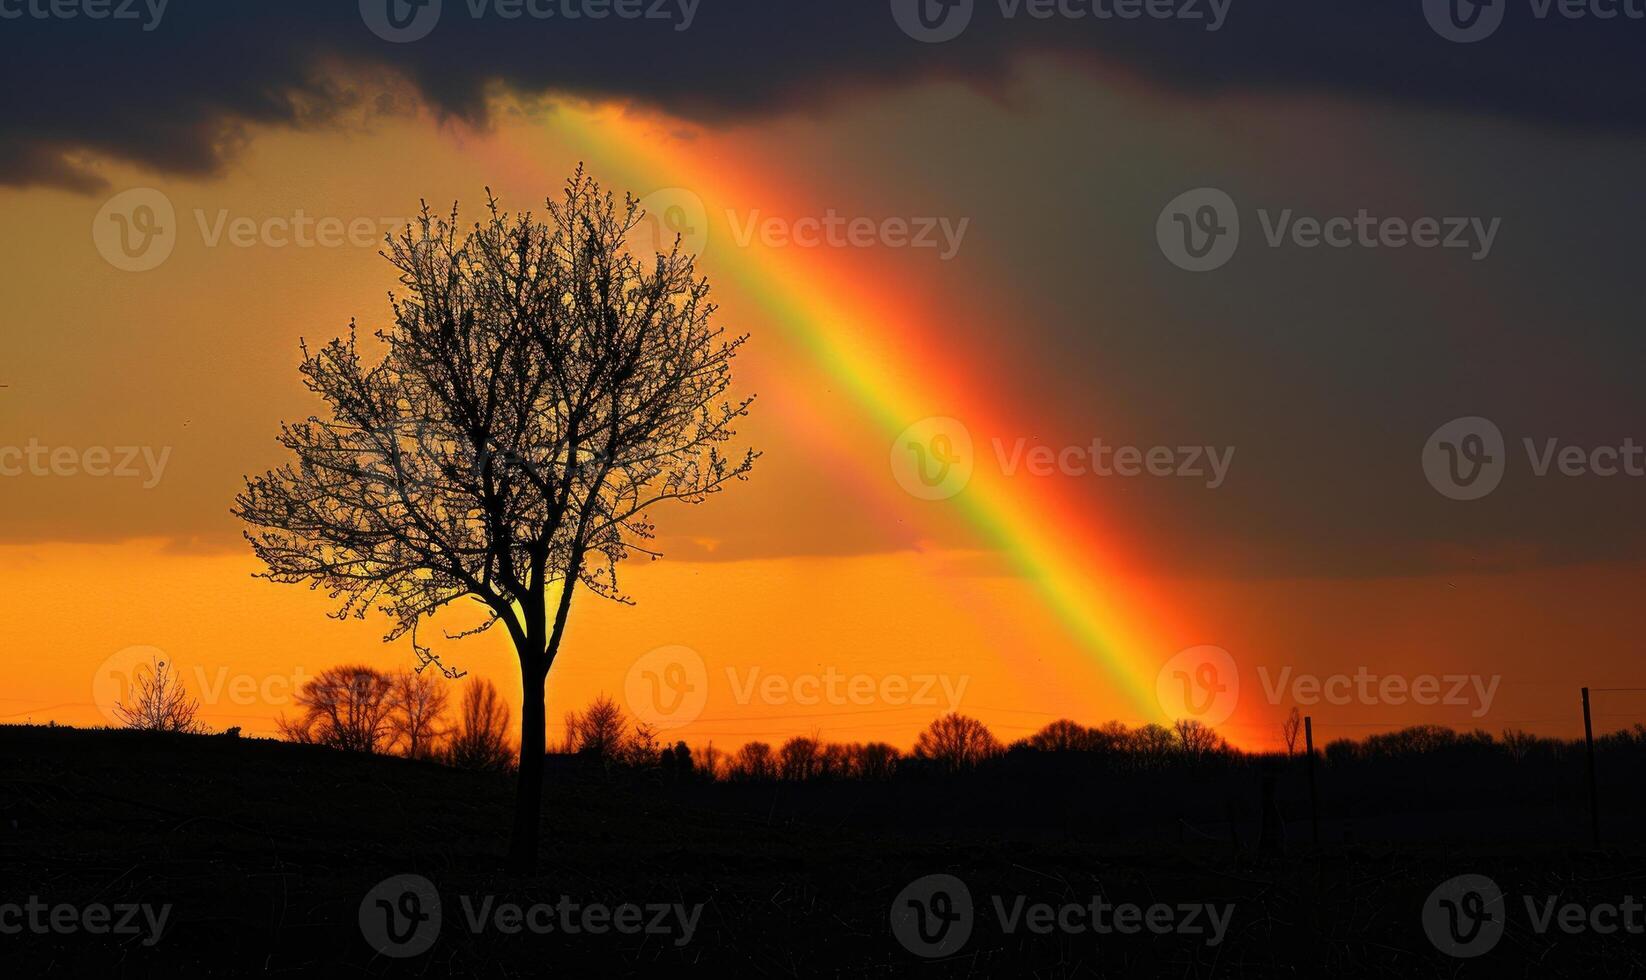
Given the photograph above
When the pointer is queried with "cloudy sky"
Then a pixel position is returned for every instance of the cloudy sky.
(1011, 221)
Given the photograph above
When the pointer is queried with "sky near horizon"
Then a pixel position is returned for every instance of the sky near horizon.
(955, 252)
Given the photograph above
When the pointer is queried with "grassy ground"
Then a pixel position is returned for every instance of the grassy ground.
(265, 852)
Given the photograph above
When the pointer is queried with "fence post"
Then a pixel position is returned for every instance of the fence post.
(1594, 792)
(1309, 748)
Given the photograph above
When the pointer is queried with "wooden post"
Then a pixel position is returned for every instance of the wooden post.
(1594, 791)
(1309, 748)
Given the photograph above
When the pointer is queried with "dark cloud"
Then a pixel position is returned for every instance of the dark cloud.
(176, 97)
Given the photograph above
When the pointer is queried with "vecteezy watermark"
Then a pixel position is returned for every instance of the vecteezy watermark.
(1468, 21)
(1200, 684)
(933, 459)
(674, 214)
(148, 12)
(668, 688)
(143, 463)
(933, 917)
(1364, 686)
(93, 919)
(1466, 916)
(402, 21)
(136, 230)
(833, 230)
(935, 21)
(117, 677)
(1466, 458)
(401, 917)
(1199, 230)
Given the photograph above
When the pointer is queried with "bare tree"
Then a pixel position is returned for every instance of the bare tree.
(754, 761)
(542, 388)
(1196, 741)
(343, 707)
(417, 704)
(600, 731)
(481, 739)
(957, 743)
(159, 702)
(798, 759)
(1063, 735)
(1289, 730)
(875, 761)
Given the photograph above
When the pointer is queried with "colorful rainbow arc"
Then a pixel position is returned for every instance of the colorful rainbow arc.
(889, 374)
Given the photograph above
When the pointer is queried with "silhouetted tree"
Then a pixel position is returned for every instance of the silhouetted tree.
(542, 387)
(600, 731)
(754, 761)
(1152, 745)
(957, 743)
(343, 707)
(159, 702)
(481, 740)
(417, 702)
(798, 758)
(875, 761)
(1289, 730)
(1062, 736)
(1195, 741)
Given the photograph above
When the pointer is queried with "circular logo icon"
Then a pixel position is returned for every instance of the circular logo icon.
(1201, 683)
(932, 459)
(1465, 916)
(932, 917)
(932, 21)
(1465, 21)
(668, 687)
(135, 230)
(400, 916)
(1465, 458)
(400, 21)
(116, 678)
(1199, 230)
(667, 216)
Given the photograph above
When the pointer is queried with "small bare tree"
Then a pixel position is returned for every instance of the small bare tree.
(754, 761)
(799, 758)
(159, 702)
(957, 743)
(1289, 730)
(417, 705)
(600, 731)
(541, 389)
(481, 738)
(1196, 741)
(342, 707)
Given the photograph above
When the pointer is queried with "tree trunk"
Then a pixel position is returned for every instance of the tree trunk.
(528, 804)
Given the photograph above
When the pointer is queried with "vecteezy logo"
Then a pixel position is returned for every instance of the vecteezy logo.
(1464, 21)
(666, 216)
(1200, 684)
(932, 459)
(1199, 230)
(668, 687)
(932, 21)
(135, 230)
(400, 21)
(1464, 917)
(1464, 459)
(933, 916)
(400, 917)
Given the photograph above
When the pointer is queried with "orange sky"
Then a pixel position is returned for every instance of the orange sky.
(819, 569)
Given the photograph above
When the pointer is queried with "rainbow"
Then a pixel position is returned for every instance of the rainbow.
(872, 343)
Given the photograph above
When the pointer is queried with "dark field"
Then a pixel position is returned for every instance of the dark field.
(266, 851)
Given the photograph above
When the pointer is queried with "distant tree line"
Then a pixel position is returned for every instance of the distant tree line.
(357, 708)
